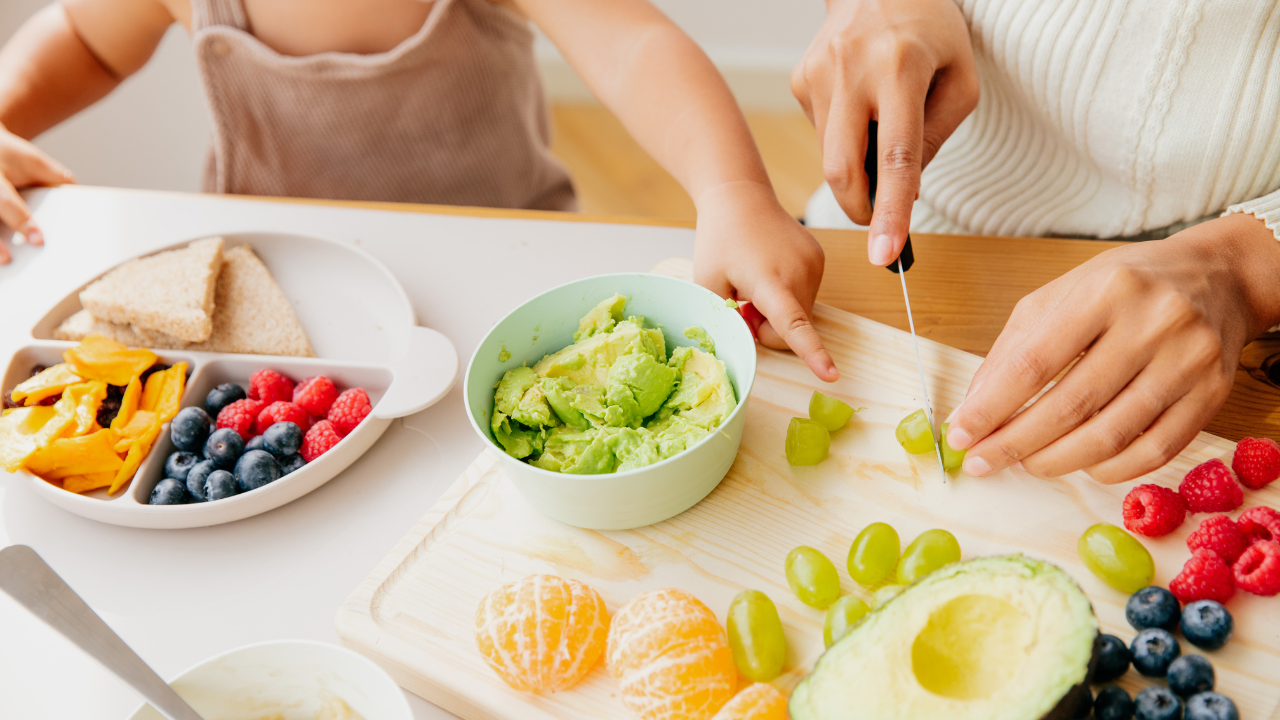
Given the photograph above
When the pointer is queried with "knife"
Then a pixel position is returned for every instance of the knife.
(905, 260)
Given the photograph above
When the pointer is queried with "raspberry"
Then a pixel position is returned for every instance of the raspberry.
(315, 395)
(281, 412)
(1204, 577)
(1258, 569)
(1209, 487)
(1221, 535)
(239, 416)
(349, 409)
(1256, 462)
(1153, 510)
(270, 386)
(1259, 523)
(318, 440)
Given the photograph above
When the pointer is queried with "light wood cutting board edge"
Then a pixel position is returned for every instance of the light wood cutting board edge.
(359, 630)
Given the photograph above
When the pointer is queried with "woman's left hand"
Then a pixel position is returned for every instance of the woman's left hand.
(1157, 328)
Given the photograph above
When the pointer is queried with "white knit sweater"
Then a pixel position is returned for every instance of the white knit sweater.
(1109, 118)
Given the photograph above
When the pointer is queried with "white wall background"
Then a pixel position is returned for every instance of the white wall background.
(153, 131)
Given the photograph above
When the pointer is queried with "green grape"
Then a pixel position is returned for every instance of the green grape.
(874, 554)
(755, 636)
(928, 552)
(832, 413)
(914, 433)
(812, 577)
(951, 459)
(807, 442)
(843, 616)
(885, 594)
(1116, 557)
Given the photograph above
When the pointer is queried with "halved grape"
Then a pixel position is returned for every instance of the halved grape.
(951, 459)
(914, 433)
(843, 616)
(1116, 557)
(807, 442)
(755, 636)
(832, 413)
(928, 552)
(885, 594)
(812, 577)
(874, 554)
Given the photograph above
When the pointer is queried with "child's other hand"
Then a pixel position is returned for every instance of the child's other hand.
(24, 165)
(749, 248)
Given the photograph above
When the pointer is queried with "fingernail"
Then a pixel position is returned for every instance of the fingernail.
(957, 438)
(975, 467)
(33, 235)
(881, 249)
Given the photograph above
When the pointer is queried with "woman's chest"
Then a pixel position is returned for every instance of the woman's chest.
(309, 27)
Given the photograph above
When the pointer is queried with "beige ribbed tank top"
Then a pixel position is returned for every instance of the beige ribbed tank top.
(454, 115)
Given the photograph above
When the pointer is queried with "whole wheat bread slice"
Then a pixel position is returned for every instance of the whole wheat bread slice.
(170, 292)
(251, 315)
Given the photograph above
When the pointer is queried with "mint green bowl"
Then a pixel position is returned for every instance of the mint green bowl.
(623, 500)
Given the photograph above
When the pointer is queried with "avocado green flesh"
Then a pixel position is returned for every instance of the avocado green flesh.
(1000, 638)
(613, 400)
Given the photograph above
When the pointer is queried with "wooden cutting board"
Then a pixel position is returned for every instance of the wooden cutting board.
(414, 614)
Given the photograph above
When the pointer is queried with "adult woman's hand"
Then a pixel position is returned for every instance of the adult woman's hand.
(907, 64)
(1154, 330)
(22, 165)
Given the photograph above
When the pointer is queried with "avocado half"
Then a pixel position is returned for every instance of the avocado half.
(996, 638)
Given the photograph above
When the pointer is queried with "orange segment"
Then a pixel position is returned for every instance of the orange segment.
(670, 657)
(759, 701)
(543, 632)
(101, 358)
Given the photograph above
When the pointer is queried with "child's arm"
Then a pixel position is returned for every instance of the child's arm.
(674, 102)
(59, 62)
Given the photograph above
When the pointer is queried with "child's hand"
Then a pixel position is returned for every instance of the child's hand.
(23, 165)
(748, 248)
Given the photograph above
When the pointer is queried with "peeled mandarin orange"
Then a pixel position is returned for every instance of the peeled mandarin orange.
(759, 701)
(543, 632)
(670, 657)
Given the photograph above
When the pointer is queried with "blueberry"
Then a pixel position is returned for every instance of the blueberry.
(1190, 675)
(1157, 703)
(1153, 649)
(289, 463)
(283, 438)
(221, 484)
(1113, 659)
(1206, 624)
(169, 492)
(196, 479)
(1211, 706)
(222, 396)
(255, 443)
(1153, 607)
(224, 447)
(1113, 703)
(255, 469)
(179, 464)
(190, 428)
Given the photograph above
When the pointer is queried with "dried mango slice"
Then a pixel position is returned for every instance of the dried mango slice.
(47, 383)
(138, 425)
(163, 391)
(88, 397)
(18, 428)
(84, 455)
(85, 483)
(137, 452)
(101, 358)
(128, 404)
(64, 418)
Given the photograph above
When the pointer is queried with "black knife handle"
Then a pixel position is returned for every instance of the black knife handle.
(871, 165)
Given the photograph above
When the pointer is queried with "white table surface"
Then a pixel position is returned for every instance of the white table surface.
(180, 596)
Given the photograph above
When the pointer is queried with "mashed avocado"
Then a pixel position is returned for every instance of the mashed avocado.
(613, 400)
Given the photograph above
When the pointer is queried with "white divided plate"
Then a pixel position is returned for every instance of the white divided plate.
(362, 327)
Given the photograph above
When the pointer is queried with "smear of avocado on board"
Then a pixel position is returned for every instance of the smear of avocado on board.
(613, 400)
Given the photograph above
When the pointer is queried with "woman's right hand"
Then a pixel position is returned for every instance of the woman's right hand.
(24, 165)
(907, 64)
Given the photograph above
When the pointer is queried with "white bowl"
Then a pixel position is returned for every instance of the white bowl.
(292, 679)
(622, 500)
